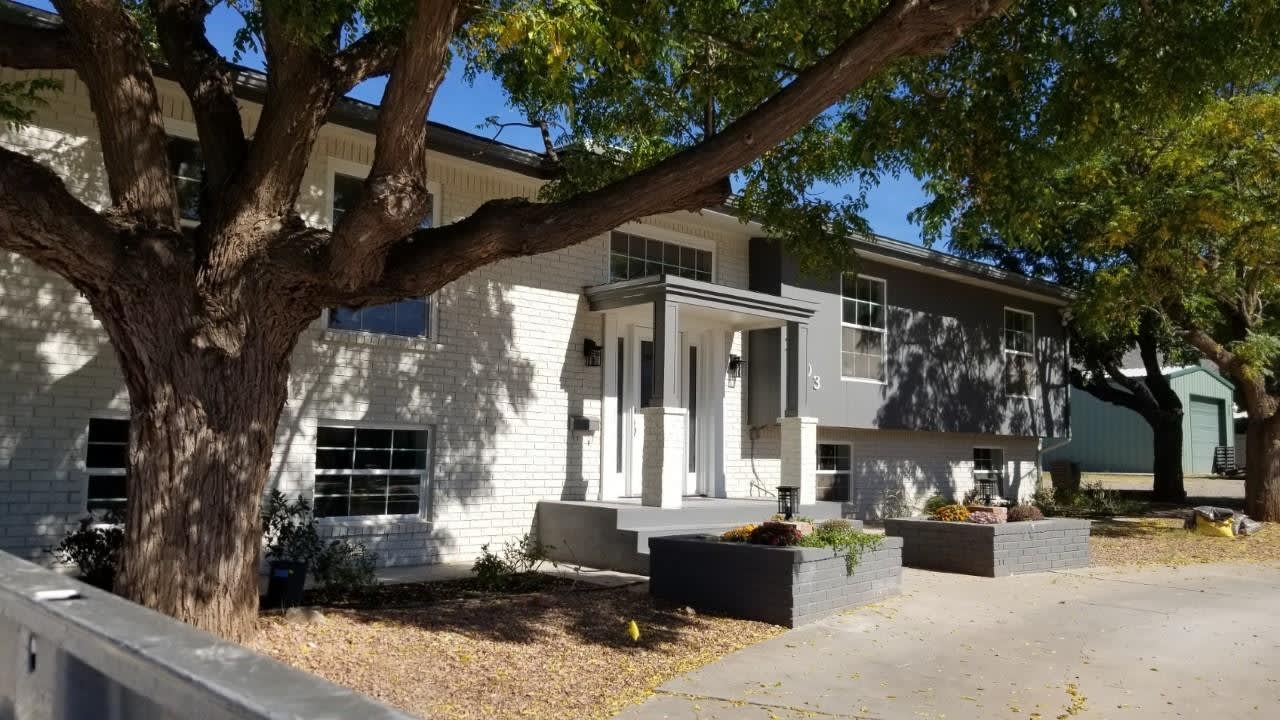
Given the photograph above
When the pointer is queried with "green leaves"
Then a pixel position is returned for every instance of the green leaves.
(20, 98)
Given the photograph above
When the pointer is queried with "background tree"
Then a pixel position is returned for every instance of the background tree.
(203, 323)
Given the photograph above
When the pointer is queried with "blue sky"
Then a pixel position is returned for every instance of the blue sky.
(466, 105)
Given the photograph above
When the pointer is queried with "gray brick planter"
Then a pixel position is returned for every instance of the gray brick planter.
(992, 550)
(783, 586)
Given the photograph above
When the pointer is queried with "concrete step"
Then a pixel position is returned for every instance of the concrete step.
(712, 513)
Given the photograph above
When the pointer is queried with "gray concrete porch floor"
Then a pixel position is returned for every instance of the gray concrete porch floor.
(1196, 641)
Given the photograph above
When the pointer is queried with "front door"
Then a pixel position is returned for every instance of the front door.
(637, 389)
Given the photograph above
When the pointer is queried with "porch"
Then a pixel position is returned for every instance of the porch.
(667, 364)
(615, 535)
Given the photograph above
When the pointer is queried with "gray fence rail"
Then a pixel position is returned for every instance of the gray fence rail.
(71, 651)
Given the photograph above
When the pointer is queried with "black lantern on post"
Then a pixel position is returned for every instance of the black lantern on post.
(788, 500)
(735, 369)
(592, 352)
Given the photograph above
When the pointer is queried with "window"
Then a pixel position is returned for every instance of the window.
(369, 471)
(407, 318)
(862, 341)
(106, 460)
(632, 256)
(186, 164)
(1019, 352)
(835, 466)
(988, 466)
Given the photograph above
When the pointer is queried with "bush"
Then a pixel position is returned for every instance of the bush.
(742, 533)
(1025, 513)
(951, 513)
(776, 534)
(1045, 500)
(344, 565)
(935, 502)
(841, 535)
(893, 503)
(984, 517)
(94, 547)
(1091, 500)
(506, 572)
(289, 529)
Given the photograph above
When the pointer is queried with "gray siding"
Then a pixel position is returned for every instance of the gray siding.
(945, 359)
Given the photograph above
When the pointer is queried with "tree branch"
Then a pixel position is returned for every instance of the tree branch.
(111, 59)
(395, 196)
(692, 179)
(23, 47)
(1100, 388)
(207, 81)
(42, 221)
(1249, 381)
(372, 55)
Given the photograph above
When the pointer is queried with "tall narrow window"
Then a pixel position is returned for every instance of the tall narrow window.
(835, 468)
(408, 318)
(621, 379)
(1019, 353)
(369, 471)
(107, 459)
(862, 340)
(646, 373)
(186, 165)
(692, 424)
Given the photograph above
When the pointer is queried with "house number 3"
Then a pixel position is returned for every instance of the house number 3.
(817, 382)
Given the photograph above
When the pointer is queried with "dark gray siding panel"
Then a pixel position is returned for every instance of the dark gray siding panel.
(764, 376)
(945, 358)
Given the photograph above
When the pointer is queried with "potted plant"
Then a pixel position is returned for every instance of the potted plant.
(292, 542)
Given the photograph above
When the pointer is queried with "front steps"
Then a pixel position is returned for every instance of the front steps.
(615, 535)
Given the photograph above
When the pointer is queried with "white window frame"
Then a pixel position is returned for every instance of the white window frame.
(1006, 351)
(652, 232)
(884, 332)
(182, 130)
(84, 457)
(424, 482)
(1000, 468)
(848, 472)
(338, 166)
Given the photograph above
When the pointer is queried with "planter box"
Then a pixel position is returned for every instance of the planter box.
(992, 550)
(783, 586)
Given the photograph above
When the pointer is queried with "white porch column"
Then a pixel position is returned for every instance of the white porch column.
(662, 467)
(800, 455)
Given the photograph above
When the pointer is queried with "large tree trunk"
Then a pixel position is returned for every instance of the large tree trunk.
(201, 437)
(1167, 465)
(1262, 481)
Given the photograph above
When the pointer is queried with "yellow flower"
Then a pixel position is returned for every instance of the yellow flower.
(633, 631)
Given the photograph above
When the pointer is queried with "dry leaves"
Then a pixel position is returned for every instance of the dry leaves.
(558, 654)
(1163, 541)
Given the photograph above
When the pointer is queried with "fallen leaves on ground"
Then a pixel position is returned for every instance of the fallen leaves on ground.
(1163, 541)
(552, 654)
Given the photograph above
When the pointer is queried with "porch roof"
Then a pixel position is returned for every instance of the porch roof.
(672, 288)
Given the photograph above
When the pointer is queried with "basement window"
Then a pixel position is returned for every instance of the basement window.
(107, 461)
(835, 471)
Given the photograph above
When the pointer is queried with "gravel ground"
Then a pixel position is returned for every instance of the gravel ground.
(1162, 541)
(549, 654)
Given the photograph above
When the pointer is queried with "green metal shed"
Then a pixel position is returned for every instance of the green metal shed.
(1109, 438)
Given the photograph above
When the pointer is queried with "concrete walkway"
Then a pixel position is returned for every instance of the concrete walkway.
(1191, 642)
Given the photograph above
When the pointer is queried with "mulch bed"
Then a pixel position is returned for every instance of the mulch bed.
(550, 649)
(1163, 541)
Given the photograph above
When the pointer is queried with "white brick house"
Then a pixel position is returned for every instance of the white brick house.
(437, 426)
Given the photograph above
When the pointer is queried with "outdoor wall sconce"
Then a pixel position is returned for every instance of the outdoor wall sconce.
(735, 369)
(592, 352)
(788, 500)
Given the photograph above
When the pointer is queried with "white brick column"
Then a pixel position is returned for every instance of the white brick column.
(662, 465)
(800, 456)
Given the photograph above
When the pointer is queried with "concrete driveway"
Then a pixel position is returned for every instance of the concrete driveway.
(1192, 642)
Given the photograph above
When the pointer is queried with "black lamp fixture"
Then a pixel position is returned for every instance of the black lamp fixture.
(788, 501)
(592, 352)
(735, 369)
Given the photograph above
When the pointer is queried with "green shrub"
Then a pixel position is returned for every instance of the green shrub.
(505, 572)
(775, 533)
(841, 535)
(1046, 500)
(1091, 500)
(936, 501)
(951, 513)
(1024, 513)
(94, 548)
(893, 503)
(345, 566)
